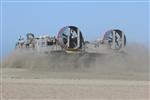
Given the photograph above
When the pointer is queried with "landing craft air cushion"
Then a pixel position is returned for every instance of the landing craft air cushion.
(70, 40)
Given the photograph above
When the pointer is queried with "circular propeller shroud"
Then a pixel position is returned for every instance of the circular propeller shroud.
(70, 37)
(120, 38)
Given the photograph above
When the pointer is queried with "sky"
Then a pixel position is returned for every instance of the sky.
(92, 18)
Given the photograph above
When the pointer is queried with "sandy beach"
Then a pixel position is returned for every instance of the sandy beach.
(104, 75)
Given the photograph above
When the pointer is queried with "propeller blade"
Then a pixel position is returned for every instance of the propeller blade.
(65, 35)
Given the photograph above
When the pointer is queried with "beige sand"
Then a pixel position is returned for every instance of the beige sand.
(100, 74)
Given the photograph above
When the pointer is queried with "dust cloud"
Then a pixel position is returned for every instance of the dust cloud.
(133, 60)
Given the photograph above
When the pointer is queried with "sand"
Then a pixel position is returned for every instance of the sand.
(71, 89)
(99, 74)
